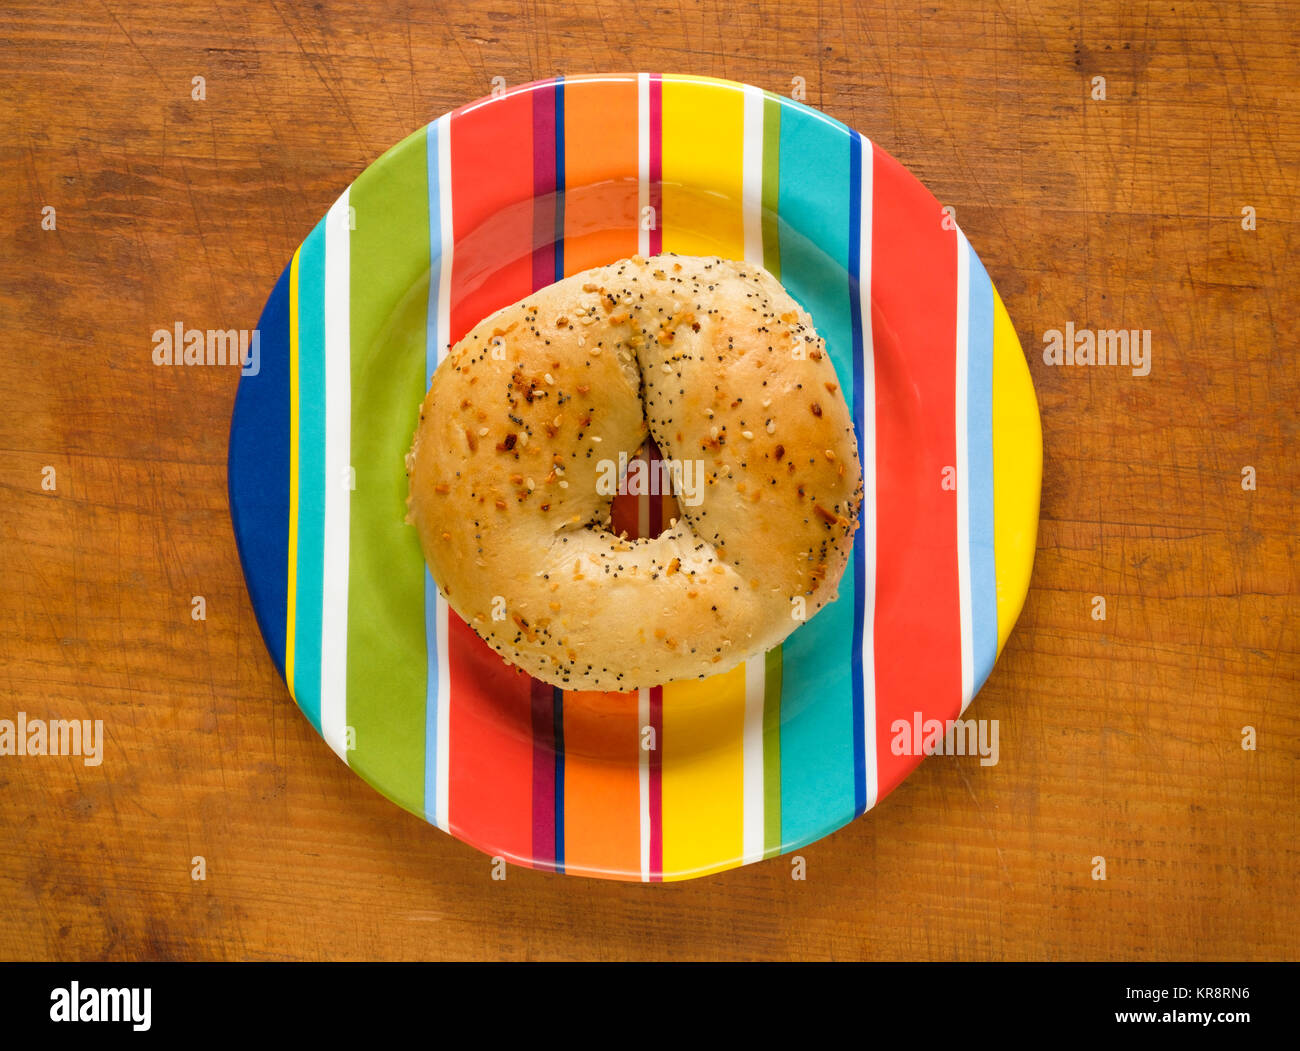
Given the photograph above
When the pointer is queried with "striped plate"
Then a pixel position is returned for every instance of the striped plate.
(509, 194)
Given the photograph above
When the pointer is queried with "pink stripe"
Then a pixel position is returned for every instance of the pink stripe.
(542, 696)
(656, 787)
(656, 162)
(544, 189)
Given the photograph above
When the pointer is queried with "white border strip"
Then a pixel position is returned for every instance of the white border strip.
(338, 484)
(752, 759)
(643, 162)
(442, 763)
(963, 470)
(752, 175)
(753, 799)
(643, 771)
(868, 457)
(643, 509)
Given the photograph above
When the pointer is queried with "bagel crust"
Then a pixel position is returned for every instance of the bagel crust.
(526, 419)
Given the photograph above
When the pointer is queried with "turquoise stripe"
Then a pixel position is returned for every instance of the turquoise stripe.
(311, 472)
(979, 423)
(436, 220)
(817, 741)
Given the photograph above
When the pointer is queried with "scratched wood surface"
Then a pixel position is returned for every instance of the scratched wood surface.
(1119, 738)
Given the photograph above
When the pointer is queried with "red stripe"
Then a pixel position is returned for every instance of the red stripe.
(914, 325)
(493, 263)
(491, 762)
(655, 519)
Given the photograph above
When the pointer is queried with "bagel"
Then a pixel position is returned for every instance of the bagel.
(529, 419)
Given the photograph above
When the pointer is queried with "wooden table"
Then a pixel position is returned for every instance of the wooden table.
(1120, 738)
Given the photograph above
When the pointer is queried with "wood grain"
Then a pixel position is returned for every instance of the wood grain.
(1119, 738)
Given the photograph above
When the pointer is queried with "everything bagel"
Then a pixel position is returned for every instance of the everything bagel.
(510, 468)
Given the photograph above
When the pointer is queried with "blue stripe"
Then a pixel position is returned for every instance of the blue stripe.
(257, 472)
(311, 473)
(430, 588)
(559, 178)
(559, 275)
(979, 423)
(859, 557)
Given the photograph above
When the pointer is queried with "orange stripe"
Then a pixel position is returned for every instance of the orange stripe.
(601, 788)
(600, 200)
(602, 803)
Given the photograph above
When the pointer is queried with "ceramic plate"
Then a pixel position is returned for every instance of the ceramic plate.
(509, 194)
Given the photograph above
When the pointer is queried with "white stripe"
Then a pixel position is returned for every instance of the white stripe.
(868, 453)
(752, 759)
(442, 761)
(752, 175)
(963, 471)
(755, 669)
(643, 161)
(338, 490)
(643, 774)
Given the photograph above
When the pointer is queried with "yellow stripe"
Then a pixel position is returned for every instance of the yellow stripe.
(291, 592)
(704, 721)
(1017, 470)
(703, 145)
(703, 774)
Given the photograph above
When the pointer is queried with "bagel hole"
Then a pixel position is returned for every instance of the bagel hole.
(645, 505)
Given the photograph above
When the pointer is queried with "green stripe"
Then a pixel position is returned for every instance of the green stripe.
(389, 300)
(772, 754)
(772, 670)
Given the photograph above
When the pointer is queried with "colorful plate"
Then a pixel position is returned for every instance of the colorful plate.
(506, 195)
